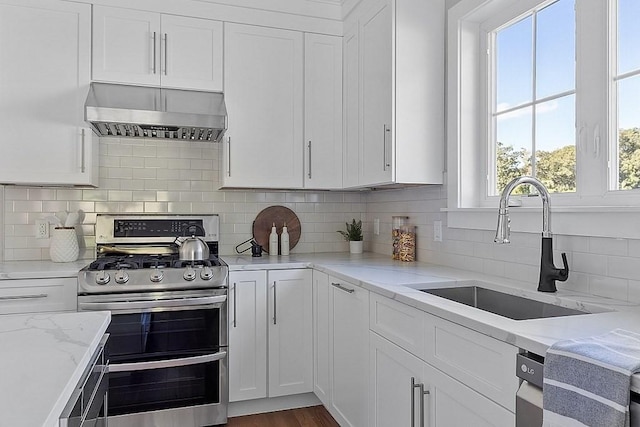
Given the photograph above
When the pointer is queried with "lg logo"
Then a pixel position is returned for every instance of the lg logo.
(524, 368)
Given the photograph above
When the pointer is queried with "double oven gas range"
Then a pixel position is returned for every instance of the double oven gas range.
(168, 331)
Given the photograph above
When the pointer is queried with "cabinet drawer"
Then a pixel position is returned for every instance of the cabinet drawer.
(481, 362)
(399, 323)
(38, 295)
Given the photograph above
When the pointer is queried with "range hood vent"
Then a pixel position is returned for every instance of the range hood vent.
(124, 111)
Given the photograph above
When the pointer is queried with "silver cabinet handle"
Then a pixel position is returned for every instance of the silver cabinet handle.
(274, 302)
(171, 363)
(309, 145)
(235, 305)
(342, 288)
(19, 297)
(423, 392)
(154, 52)
(82, 151)
(229, 168)
(165, 54)
(385, 164)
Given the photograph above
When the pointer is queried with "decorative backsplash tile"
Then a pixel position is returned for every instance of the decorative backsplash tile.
(162, 176)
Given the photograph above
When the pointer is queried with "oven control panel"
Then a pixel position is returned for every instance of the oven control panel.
(156, 228)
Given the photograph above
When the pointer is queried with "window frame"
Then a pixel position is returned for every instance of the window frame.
(595, 209)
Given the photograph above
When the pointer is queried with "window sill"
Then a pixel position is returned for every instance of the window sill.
(598, 221)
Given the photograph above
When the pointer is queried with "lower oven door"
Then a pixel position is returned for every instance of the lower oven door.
(168, 364)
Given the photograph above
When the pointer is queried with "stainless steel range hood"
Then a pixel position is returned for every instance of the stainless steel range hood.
(147, 112)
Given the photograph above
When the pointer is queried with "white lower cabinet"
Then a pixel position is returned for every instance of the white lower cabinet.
(270, 334)
(290, 332)
(401, 382)
(247, 335)
(341, 312)
(38, 295)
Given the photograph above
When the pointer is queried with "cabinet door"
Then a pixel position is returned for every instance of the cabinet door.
(376, 56)
(191, 52)
(263, 85)
(247, 335)
(126, 46)
(351, 102)
(391, 395)
(290, 332)
(350, 327)
(323, 111)
(44, 78)
(452, 404)
(321, 337)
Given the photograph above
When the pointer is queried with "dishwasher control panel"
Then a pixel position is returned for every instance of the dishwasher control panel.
(530, 367)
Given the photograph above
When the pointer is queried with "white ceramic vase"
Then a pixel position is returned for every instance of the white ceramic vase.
(355, 247)
(64, 245)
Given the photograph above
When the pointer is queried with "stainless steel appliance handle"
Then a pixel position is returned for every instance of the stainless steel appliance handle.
(19, 297)
(309, 145)
(171, 363)
(154, 52)
(131, 305)
(235, 305)
(342, 288)
(274, 302)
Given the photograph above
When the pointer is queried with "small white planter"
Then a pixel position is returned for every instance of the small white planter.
(355, 247)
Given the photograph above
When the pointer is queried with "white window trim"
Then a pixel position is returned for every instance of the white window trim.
(587, 215)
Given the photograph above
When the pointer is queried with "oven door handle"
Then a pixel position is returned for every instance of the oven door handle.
(135, 305)
(171, 363)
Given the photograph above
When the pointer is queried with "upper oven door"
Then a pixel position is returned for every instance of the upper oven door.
(150, 327)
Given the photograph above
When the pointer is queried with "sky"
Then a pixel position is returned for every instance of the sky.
(555, 64)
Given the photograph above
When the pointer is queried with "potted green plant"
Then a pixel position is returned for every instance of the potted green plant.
(354, 236)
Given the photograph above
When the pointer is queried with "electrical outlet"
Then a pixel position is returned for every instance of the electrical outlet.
(437, 231)
(42, 229)
(376, 226)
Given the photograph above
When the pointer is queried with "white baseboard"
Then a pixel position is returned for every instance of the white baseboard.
(259, 406)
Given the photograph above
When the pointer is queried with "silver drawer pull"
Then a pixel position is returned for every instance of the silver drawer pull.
(342, 288)
(19, 297)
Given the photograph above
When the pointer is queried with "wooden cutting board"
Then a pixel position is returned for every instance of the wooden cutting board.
(278, 215)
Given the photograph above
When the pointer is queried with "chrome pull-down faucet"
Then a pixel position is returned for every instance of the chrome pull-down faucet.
(548, 271)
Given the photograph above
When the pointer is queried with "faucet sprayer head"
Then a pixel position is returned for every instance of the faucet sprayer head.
(503, 229)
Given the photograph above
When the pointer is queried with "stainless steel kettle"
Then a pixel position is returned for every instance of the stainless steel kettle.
(192, 248)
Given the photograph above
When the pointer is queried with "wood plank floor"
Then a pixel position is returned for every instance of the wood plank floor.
(314, 416)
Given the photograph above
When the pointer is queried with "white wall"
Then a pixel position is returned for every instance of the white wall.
(158, 176)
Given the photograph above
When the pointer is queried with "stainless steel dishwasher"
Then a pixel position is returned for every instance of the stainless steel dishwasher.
(530, 369)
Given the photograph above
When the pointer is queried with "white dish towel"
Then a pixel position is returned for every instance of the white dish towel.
(587, 381)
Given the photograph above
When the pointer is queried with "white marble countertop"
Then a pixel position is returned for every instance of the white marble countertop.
(43, 356)
(403, 281)
(40, 269)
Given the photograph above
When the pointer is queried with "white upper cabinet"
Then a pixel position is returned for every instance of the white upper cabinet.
(148, 48)
(397, 53)
(263, 87)
(44, 78)
(323, 111)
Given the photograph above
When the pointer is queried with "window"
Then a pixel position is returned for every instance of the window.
(546, 88)
(532, 118)
(626, 170)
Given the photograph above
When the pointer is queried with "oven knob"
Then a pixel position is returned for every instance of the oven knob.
(206, 273)
(189, 274)
(121, 277)
(156, 276)
(102, 277)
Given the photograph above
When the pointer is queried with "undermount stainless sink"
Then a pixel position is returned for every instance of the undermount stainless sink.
(502, 304)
